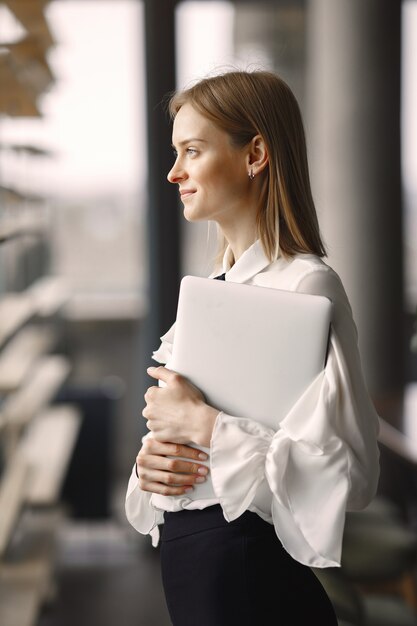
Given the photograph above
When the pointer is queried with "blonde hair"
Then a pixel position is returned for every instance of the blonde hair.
(245, 104)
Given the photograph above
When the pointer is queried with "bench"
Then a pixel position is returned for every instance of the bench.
(21, 353)
(29, 502)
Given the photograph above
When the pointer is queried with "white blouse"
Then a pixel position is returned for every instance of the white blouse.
(322, 461)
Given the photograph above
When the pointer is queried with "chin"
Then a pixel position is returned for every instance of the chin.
(190, 216)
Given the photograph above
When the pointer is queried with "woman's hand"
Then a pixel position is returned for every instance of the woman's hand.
(166, 476)
(178, 412)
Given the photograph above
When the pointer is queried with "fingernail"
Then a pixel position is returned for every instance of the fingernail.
(188, 490)
(203, 456)
(202, 470)
(200, 479)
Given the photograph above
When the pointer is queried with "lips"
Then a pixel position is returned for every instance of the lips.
(186, 192)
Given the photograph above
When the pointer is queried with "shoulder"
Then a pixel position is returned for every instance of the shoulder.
(307, 273)
(315, 276)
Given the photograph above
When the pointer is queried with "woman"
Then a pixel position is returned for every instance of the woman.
(281, 497)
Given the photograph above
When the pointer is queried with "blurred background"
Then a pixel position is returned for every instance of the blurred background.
(93, 246)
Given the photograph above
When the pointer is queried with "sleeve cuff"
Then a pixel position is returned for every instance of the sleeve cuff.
(139, 510)
(237, 459)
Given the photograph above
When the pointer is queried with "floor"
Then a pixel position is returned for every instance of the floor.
(107, 575)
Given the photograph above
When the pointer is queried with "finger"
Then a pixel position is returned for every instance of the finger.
(175, 449)
(168, 478)
(151, 392)
(163, 373)
(175, 465)
(164, 490)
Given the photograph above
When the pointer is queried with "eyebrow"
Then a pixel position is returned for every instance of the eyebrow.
(182, 143)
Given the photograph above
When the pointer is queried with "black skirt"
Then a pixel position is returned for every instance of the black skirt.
(217, 573)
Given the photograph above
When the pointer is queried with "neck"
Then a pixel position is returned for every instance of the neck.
(239, 236)
(239, 247)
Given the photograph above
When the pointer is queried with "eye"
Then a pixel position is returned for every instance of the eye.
(191, 151)
(174, 152)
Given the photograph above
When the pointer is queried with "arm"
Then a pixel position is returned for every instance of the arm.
(323, 459)
(157, 472)
(153, 472)
(176, 411)
(185, 414)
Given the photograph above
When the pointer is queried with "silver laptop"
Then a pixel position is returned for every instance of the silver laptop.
(251, 350)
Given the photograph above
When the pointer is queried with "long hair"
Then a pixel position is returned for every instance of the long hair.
(245, 104)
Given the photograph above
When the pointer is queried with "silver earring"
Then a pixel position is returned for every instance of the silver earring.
(251, 174)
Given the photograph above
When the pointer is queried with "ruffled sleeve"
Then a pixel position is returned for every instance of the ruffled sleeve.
(140, 512)
(323, 459)
(164, 352)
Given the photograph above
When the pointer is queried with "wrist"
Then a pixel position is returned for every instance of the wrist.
(206, 418)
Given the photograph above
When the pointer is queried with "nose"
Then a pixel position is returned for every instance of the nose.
(176, 173)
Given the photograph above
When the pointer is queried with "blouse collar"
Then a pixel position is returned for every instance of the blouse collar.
(251, 262)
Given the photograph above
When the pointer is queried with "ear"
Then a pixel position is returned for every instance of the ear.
(258, 155)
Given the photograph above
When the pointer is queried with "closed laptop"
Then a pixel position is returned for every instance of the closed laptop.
(251, 350)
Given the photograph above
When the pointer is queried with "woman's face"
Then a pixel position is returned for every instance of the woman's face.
(211, 174)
